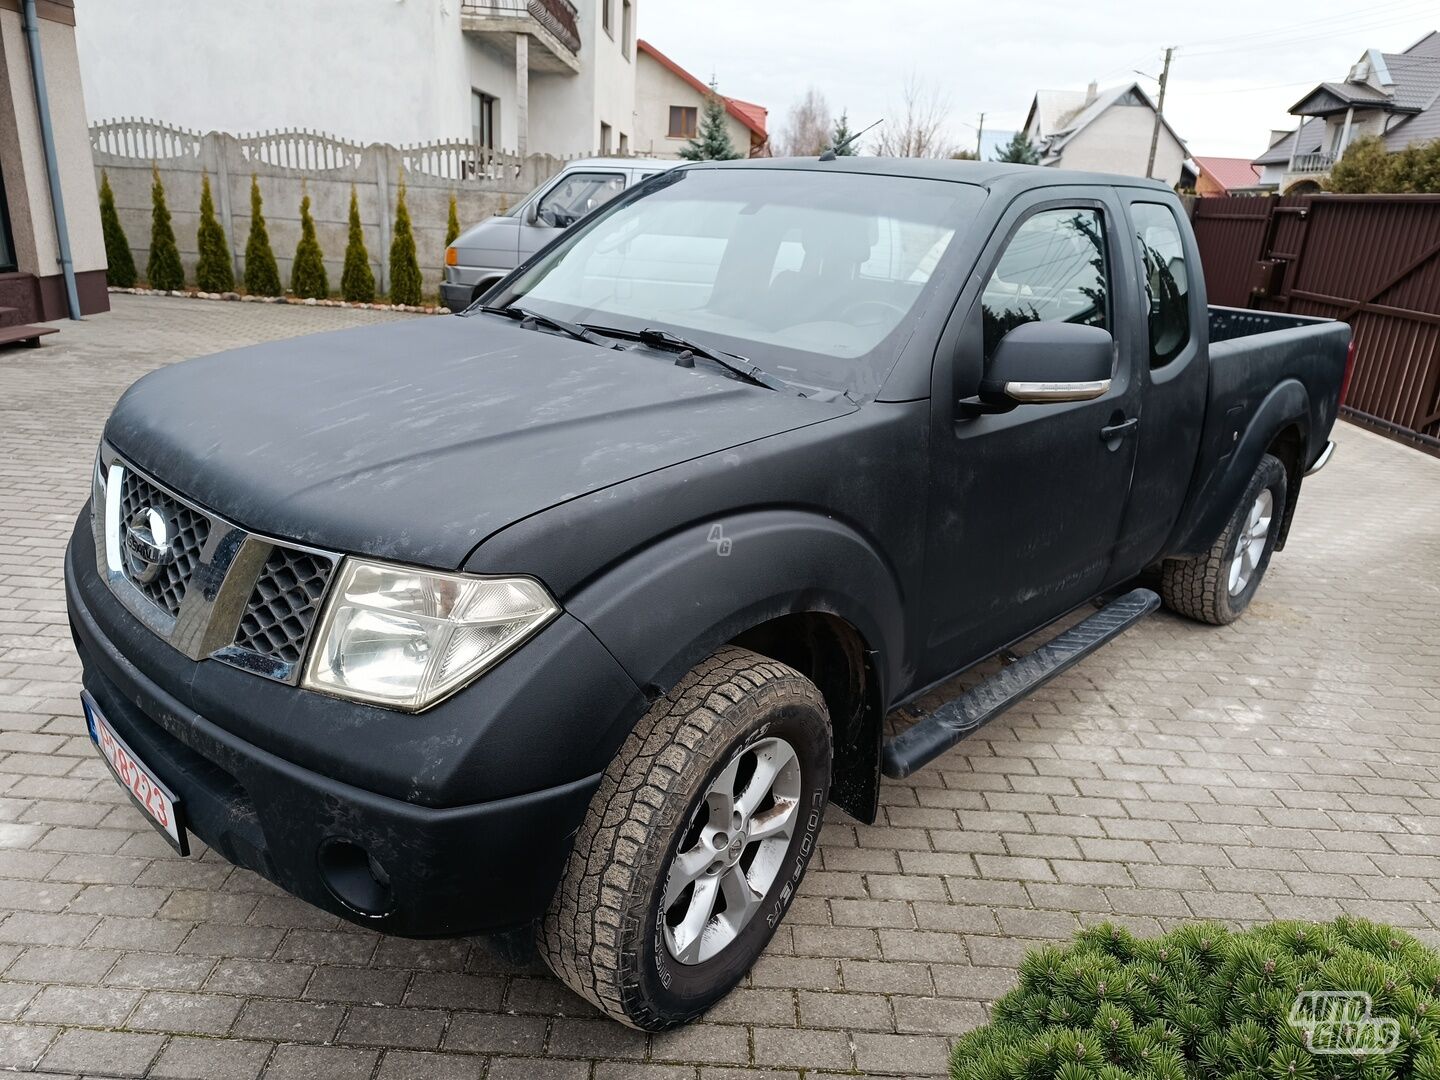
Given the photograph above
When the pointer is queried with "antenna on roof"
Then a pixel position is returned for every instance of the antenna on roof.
(834, 151)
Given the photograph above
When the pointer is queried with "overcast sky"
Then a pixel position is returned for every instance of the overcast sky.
(1238, 66)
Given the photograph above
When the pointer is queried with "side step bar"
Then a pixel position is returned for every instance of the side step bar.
(925, 741)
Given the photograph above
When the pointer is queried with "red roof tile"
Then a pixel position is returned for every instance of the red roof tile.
(1230, 172)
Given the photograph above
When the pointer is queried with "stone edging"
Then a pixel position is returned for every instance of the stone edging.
(192, 294)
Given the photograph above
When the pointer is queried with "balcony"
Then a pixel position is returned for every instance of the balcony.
(552, 25)
(1312, 163)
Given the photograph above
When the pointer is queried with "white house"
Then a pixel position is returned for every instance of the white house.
(1395, 96)
(669, 102)
(1104, 131)
(534, 76)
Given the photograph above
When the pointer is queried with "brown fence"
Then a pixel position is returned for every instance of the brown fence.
(1370, 260)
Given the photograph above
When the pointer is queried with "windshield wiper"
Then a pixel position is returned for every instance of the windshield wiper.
(737, 365)
(574, 330)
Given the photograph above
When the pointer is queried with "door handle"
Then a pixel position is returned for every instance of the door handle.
(1120, 430)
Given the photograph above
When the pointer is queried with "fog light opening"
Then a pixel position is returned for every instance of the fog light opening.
(356, 878)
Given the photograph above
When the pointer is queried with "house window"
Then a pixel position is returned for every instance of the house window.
(606, 20)
(482, 119)
(683, 121)
(7, 245)
(1053, 270)
(604, 138)
(627, 26)
(624, 144)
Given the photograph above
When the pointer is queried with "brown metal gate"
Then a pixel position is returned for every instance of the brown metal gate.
(1370, 260)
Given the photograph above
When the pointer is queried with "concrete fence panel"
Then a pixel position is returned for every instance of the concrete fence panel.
(291, 164)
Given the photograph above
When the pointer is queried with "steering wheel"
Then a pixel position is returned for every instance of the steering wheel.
(881, 308)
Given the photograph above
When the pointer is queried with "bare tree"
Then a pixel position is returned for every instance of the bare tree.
(917, 129)
(808, 127)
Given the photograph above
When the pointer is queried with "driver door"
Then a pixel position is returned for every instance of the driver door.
(1026, 504)
(569, 199)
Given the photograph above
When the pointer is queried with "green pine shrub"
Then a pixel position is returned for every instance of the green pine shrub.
(712, 141)
(1207, 1003)
(405, 281)
(119, 259)
(307, 270)
(357, 280)
(163, 269)
(262, 274)
(452, 222)
(215, 272)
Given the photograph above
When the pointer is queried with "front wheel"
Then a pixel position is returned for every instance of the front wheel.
(694, 843)
(1218, 586)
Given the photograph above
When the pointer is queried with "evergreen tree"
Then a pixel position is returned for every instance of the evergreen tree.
(307, 271)
(712, 142)
(452, 223)
(357, 281)
(262, 275)
(840, 139)
(1019, 151)
(163, 269)
(119, 260)
(215, 272)
(405, 281)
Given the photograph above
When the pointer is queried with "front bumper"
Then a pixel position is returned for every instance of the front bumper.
(446, 869)
(456, 297)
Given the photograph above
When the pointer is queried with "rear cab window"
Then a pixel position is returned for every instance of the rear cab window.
(1164, 278)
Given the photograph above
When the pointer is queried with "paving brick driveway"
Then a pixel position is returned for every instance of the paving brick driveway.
(1285, 766)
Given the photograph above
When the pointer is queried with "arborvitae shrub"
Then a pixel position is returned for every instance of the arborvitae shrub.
(357, 281)
(1208, 1003)
(163, 269)
(119, 259)
(452, 223)
(215, 272)
(405, 282)
(307, 271)
(262, 275)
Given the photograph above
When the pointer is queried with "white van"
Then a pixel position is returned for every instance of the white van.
(484, 253)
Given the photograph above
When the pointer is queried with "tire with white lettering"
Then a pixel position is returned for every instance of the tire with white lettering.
(694, 844)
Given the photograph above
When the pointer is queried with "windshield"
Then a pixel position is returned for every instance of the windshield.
(810, 274)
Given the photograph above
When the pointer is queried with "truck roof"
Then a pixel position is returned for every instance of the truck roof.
(983, 173)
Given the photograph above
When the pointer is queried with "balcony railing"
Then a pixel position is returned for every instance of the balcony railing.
(1313, 163)
(557, 16)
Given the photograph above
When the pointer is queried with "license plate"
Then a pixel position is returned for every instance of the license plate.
(157, 801)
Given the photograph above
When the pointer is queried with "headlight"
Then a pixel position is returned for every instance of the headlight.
(406, 638)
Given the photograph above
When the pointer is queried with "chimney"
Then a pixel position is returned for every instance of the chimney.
(1090, 92)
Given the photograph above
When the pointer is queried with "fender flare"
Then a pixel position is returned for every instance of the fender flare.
(711, 581)
(1209, 509)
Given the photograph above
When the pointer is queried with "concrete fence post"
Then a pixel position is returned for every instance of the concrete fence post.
(382, 185)
(221, 145)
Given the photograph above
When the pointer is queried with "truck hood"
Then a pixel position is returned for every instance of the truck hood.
(414, 441)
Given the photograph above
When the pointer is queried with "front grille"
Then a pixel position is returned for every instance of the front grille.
(255, 599)
(188, 530)
(283, 604)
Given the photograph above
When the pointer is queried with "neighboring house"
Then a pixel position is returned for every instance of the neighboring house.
(533, 76)
(32, 286)
(669, 102)
(1224, 176)
(1105, 131)
(1392, 95)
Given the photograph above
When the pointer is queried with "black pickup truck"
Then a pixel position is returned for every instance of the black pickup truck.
(569, 617)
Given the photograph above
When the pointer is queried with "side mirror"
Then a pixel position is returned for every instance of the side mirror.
(1049, 362)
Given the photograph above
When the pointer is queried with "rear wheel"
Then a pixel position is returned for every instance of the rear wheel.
(1218, 586)
(694, 844)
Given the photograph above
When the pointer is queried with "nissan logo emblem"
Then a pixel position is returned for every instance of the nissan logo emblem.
(147, 545)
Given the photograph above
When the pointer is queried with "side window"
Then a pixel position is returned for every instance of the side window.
(1052, 270)
(1167, 285)
(576, 195)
